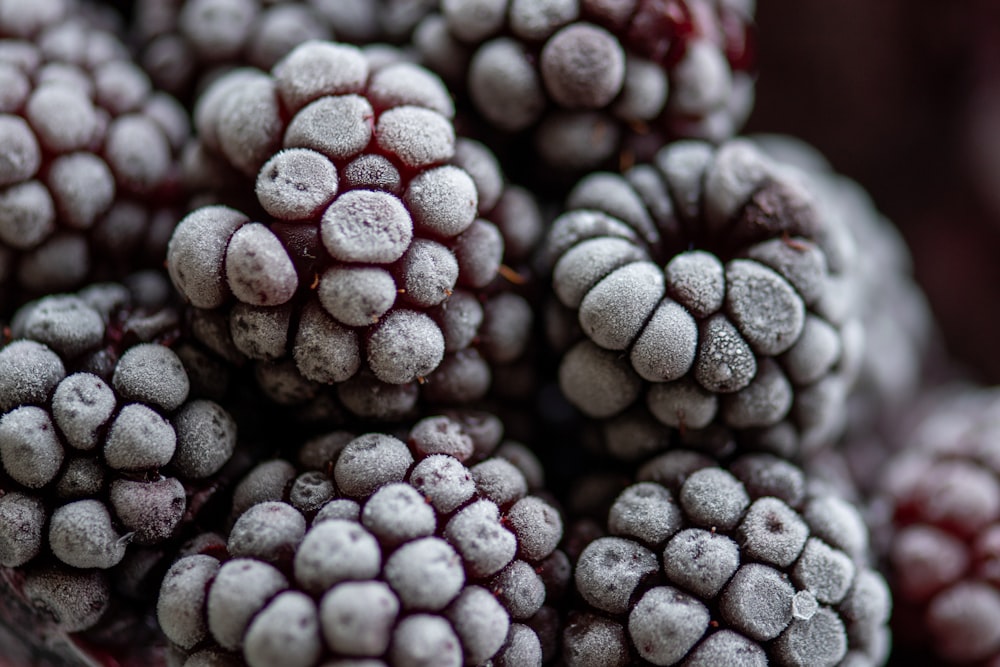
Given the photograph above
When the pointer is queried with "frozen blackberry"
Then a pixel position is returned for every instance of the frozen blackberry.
(595, 80)
(745, 564)
(378, 255)
(104, 452)
(898, 329)
(427, 550)
(900, 337)
(88, 157)
(713, 291)
(183, 40)
(941, 502)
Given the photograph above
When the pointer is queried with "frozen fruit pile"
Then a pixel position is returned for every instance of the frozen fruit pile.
(431, 334)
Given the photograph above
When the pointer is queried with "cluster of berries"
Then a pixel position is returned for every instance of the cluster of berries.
(337, 276)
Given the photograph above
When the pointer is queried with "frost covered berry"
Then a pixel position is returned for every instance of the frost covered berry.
(710, 291)
(593, 79)
(101, 444)
(896, 323)
(746, 564)
(898, 328)
(941, 499)
(375, 266)
(428, 550)
(88, 155)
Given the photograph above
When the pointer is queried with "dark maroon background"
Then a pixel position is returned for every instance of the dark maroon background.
(886, 90)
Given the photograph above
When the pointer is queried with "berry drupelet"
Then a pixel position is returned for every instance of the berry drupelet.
(711, 292)
(104, 454)
(424, 551)
(592, 79)
(88, 155)
(376, 269)
(746, 564)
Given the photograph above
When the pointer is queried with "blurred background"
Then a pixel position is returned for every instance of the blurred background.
(904, 97)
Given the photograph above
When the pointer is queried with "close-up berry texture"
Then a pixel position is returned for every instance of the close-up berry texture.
(592, 80)
(89, 151)
(376, 550)
(711, 291)
(901, 347)
(740, 565)
(899, 332)
(499, 333)
(105, 455)
(940, 501)
(378, 260)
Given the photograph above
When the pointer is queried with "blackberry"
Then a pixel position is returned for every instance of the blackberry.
(88, 156)
(104, 454)
(594, 79)
(424, 551)
(746, 564)
(183, 42)
(940, 499)
(377, 267)
(899, 332)
(712, 293)
(901, 345)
